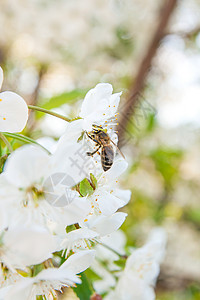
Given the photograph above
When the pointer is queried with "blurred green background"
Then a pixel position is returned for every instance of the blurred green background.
(53, 52)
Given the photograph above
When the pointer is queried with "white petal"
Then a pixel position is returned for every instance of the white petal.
(94, 97)
(109, 202)
(3, 216)
(21, 290)
(13, 112)
(53, 274)
(75, 212)
(79, 262)
(76, 238)
(144, 262)
(48, 142)
(26, 165)
(157, 240)
(119, 167)
(71, 158)
(22, 242)
(72, 132)
(129, 287)
(113, 104)
(124, 195)
(1, 77)
(81, 233)
(106, 225)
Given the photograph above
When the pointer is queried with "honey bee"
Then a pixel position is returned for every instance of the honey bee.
(103, 141)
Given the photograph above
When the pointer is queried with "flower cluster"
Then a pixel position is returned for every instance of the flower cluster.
(55, 208)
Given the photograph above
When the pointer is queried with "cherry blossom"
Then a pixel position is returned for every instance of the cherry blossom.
(13, 110)
(99, 105)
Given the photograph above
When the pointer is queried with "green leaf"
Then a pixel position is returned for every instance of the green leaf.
(193, 215)
(93, 181)
(120, 263)
(39, 297)
(70, 228)
(85, 188)
(167, 162)
(37, 269)
(85, 290)
(2, 162)
(24, 139)
(92, 275)
(68, 97)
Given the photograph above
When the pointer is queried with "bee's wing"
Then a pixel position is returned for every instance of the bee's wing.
(118, 149)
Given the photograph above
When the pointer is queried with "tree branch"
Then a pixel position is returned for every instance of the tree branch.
(139, 81)
(34, 97)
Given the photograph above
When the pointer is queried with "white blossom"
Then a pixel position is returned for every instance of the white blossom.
(99, 106)
(108, 197)
(13, 110)
(21, 246)
(92, 230)
(141, 270)
(51, 279)
(25, 195)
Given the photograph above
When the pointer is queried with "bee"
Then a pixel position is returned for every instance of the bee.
(103, 141)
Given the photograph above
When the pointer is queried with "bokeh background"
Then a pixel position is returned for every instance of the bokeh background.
(53, 52)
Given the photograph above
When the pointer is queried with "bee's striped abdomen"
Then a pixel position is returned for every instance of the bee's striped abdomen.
(107, 156)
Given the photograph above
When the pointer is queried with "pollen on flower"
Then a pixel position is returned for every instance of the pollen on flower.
(4, 119)
(85, 220)
(0, 100)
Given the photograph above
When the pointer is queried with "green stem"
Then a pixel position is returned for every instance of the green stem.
(24, 139)
(114, 251)
(6, 142)
(49, 112)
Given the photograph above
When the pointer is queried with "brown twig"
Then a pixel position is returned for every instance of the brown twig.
(2, 56)
(139, 81)
(34, 97)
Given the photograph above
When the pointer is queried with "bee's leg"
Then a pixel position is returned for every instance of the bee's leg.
(92, 138)
(92, 153)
